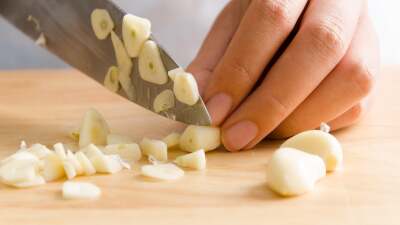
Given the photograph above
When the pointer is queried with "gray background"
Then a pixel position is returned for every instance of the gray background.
(181, 25)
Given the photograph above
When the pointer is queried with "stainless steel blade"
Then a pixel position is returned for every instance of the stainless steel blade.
(68, 33)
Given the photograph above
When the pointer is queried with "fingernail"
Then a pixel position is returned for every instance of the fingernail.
(239, 135)
(219, 106)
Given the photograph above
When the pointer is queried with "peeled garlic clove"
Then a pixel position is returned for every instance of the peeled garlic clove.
(195, 160)
(162, 171)
(102, 23)
(163, 101)
(129, 152)
(87, 166)
(158, 149)
(36, 181)
(53, 167)
(80, 190)
(94, 129)
(118, 139)
(293, 172)
(200, 137)
(125, 65)
(151, 67)
(185, 88)
(172, 73)
(135, 31)
(318, 143)
(172, 140)
(60, 150)
(111, 80)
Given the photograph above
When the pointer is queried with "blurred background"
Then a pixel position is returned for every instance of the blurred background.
(181, 25)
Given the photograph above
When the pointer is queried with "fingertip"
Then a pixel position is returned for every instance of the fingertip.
(219, 107)
(239, 135)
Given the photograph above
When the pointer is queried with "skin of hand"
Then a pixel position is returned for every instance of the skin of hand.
(278, 67)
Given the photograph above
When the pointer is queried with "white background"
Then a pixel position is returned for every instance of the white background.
(180, 25)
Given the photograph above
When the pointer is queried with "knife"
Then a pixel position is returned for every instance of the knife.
(66, 29)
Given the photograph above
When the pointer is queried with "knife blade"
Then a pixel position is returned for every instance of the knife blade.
(68, 33)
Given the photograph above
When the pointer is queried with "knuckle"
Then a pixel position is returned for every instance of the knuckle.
(241, 74)
(361, 77)
(328, 37)
(275, 12)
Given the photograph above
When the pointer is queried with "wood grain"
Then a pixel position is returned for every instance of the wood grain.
(44, 106)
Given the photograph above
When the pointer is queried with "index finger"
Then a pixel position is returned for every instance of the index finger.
(323, 38)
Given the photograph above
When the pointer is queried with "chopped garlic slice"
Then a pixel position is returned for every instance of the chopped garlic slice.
(80, 190)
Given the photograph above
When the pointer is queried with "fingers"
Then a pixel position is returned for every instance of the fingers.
(348, 118)
(323, 38)
(264, 27)
(346, 85)
(217, 41)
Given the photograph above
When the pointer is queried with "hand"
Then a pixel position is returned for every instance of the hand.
(278, 67)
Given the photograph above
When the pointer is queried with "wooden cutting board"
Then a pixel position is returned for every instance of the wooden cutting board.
(44, 106)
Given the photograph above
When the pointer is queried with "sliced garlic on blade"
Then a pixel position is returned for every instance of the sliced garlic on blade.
(172, 140)
(36, 181)
(135, 32)
(158, 149)
(151, 67)
(162, 171)
(318, 143)
(172, 73)
(41, 40)
(195, 160)
(94, 129)
(102, 23)
(164, 101)
(200, 137)
(53, 167)
(129, 152)
(80, 190)
(125, 65)
(292, 172)
(87, 166)
(118, 139)
(185, 88)
(111, 80)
